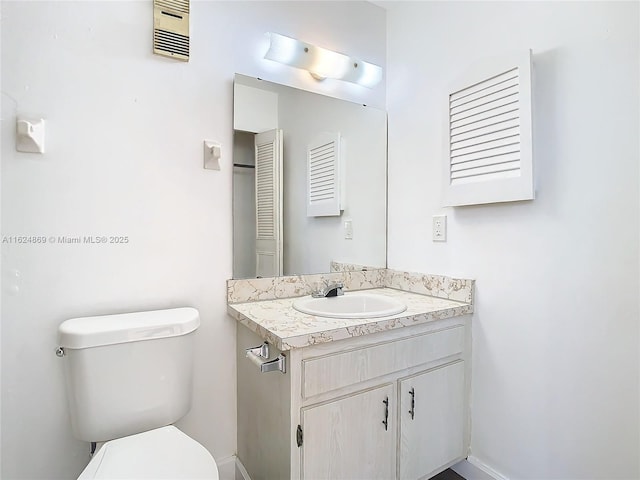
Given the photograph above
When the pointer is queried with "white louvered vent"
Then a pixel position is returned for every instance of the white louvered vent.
(171, 28)
(323, 175)
(489, 136)
(265, 192)
(485, 130)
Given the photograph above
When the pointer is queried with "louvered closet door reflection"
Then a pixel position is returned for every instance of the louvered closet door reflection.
(268, 152)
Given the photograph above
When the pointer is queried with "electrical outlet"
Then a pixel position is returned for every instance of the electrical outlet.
(439, 228)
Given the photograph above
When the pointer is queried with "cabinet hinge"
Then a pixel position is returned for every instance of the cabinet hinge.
(299, 436)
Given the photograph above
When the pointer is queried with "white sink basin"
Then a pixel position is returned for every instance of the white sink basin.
(350, 305)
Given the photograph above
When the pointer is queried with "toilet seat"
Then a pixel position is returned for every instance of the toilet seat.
(162, 453)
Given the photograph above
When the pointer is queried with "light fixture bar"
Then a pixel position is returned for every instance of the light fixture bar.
(320, 62)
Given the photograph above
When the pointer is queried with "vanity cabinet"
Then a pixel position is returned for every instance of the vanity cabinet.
(350, 429)
(385, 405)
(431, 420)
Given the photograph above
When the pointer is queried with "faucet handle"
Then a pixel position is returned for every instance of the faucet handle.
(318, 289)
(334, 289)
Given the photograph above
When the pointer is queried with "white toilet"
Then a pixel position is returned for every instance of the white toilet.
(129, 377)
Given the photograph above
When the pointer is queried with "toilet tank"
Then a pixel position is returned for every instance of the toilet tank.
(128, 373)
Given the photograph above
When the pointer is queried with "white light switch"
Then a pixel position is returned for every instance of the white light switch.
(30, 135)
(212, 153)
(348, 229)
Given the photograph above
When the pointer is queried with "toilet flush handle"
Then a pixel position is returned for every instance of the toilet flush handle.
(60, 352)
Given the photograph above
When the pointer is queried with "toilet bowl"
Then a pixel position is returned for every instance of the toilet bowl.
(162, 453)
(128, 379)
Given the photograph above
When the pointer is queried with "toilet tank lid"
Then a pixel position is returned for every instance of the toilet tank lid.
(85, 332)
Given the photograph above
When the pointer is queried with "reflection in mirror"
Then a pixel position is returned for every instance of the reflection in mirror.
(309, 182)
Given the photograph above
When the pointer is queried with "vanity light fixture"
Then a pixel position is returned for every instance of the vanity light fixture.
(322, 63)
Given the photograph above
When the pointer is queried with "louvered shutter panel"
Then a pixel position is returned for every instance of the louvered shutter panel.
(489, 136)
(323, 175)
(265, 192)
(268, 151)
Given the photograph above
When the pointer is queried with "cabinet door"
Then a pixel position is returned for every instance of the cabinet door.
(347, 439)
(433, 435)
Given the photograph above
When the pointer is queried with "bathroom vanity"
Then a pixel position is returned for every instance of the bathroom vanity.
(369, 398)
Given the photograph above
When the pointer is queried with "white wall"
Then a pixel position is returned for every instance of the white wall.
(254, 110)
(555, 334)
(124, 157)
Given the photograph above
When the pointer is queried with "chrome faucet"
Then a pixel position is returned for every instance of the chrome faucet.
(331, 289)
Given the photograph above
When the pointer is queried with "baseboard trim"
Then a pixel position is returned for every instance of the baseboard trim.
(241, 470)
(474, 469)
(231, 468)
(227, 467)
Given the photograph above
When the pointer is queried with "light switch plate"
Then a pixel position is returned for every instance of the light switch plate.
(439, 228)
(348, 229)
(30, 135)
(212, 153)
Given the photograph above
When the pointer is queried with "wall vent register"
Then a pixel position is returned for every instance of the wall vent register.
(171, 28)
(489, 139)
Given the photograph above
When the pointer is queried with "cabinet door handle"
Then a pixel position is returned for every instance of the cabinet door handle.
(413, 402)
(385, 422)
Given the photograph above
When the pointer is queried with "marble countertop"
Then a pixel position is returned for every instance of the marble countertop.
(277, 322)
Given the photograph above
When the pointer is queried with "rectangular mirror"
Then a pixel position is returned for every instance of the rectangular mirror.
(309, 182)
